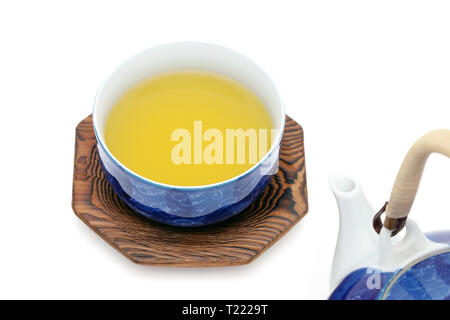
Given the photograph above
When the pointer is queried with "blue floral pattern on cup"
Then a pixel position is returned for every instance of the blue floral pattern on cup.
(193, 206)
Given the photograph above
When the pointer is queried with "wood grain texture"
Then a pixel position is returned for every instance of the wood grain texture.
(236, 241)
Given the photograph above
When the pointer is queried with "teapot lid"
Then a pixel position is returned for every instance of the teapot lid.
(426, 279)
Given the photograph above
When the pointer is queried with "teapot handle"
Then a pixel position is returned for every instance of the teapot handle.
(410, 174)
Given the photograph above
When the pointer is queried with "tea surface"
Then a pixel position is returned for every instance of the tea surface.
(140, 128)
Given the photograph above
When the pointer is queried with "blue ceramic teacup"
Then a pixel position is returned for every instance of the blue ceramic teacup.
(182, 205)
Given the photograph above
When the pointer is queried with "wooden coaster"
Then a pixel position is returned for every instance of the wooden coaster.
(236, 241)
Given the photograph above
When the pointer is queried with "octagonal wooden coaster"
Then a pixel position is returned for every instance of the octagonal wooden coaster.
(236, 241)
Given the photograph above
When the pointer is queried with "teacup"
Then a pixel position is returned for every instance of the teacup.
(188, 205)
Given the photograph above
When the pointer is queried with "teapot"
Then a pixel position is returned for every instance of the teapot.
(372, 260)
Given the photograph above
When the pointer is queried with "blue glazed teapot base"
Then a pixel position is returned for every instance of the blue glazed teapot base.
(427, 279)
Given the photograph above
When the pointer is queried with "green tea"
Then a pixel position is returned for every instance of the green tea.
(167, 128)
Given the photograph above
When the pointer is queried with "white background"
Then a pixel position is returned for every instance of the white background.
(363, 78)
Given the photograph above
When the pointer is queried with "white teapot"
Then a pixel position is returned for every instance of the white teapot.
(369, 262)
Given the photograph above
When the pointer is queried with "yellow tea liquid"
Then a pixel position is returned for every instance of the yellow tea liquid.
(140, 128)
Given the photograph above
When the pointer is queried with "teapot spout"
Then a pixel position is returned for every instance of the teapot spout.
(357, 241)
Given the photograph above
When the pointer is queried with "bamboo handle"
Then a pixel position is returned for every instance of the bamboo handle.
(410, 174)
